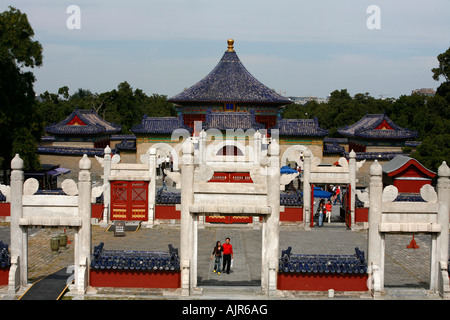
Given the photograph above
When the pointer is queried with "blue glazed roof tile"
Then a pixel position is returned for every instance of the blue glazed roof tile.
(365, 128)
(229, 81)
(93, 124)
(375, 155)
(300, 127)
(333, 148)
(126, 145)
(231, 120)
(72, 151)
(161, 125)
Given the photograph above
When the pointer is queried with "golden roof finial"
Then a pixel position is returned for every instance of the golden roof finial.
(230, 45)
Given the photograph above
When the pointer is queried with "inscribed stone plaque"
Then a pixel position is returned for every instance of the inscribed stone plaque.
(119, 228)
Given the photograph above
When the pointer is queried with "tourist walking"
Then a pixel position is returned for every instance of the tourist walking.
(227, 255)
(164, 183)
(319, 207)
(321, 210)
(328, 209)
(338, 195)
(217, 254)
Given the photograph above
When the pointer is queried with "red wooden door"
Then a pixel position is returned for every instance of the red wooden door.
(129, 200)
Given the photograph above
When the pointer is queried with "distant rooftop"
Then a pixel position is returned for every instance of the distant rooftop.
(377, 126)
(159, 125)
(230, 81)
(300, 127)
(83, 121)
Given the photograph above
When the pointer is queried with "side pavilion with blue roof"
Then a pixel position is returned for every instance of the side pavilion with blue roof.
(376, 135)
(81, 132)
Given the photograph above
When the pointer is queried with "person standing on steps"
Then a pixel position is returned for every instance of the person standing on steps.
(227, 255)
(217, 253)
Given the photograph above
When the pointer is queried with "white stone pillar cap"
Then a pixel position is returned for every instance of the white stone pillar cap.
(352, 154)
(443, 170)
(17, 162)
(376, 169)
(85, 163)
(188, 147)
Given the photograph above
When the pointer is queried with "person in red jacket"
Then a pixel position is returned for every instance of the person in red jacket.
(338, 195)
(328, 208)
(227, 255)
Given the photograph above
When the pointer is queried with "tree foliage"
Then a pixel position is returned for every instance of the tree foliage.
(20, 125)
(124, 106)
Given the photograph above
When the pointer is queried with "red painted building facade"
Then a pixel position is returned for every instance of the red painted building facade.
(407, 174)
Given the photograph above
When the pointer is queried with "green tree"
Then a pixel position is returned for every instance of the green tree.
(20, 126)
(443, 70)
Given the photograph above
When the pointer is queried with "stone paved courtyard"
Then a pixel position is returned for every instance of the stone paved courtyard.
(405, 268)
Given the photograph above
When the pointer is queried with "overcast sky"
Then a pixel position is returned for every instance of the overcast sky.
(298, 48)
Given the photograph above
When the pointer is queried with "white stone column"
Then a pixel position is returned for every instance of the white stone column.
(151, 187)
(18, 274)
(352, 186)
(307, 189)
(202, 147)
(442, 244)
(375, 254)
(83, 245)
(107, 191)
(269, 266)
(257, 161)
(257, 148)
(187, 240)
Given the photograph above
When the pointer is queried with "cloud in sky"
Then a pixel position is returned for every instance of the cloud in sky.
(297, 47)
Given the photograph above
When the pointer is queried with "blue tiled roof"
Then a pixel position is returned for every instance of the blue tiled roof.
(231, 120)
(126, 145)
(94, 124)
(335, 140)
(230, 81)
(365, 128)
(123, 137)
(333, 148)
(71, 151)
(161, 125)
(300, 127)
(375, 155)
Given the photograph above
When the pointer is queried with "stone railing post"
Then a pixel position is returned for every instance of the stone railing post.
(151, 187)
(18, 246)
(307, 189)
(443, 188)
(107, 191)
(374, 259)
(83, 243)
(270, 230)
(352, 186)
(186, 217)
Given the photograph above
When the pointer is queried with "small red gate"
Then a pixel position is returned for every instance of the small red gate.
(129, 200)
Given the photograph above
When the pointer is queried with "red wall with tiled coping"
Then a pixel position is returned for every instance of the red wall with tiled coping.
(322, 282)
(134, 279)
(4, 275)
